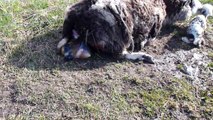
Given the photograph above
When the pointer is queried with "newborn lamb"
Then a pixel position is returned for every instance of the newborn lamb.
(195, 5)
(206, 10)
(198, 25)
(196, 30)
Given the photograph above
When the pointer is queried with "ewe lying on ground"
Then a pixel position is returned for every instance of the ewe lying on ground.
(117, 26)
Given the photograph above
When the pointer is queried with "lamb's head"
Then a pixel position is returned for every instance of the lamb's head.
(195, 31)
(177, 10)
(195, 5)
(206, 10)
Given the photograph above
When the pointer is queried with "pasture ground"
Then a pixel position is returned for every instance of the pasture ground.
(35, 82)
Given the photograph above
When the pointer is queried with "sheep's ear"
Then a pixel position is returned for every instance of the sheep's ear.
(200, 11)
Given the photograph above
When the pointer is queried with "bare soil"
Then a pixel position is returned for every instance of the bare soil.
(37, 84)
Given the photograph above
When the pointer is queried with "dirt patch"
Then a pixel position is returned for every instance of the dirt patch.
(37, 84)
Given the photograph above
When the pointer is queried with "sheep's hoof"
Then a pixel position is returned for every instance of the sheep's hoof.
(148, 59)
(139, 56)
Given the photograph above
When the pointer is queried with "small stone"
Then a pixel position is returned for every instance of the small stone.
(189, 70)
(197, 56)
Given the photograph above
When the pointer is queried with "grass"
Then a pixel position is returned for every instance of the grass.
(210, 55)
(206, 1)
(36, 83)
(210, 65)
(35, 16)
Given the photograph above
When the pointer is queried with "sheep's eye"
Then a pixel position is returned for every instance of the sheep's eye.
(203, 12)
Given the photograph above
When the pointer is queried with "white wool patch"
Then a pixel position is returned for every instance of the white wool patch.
(67, 10)
(62, 43)
(196, 41)
(100, 4)
(82, 53)
(185, 39)
(207, 10)
(134, 55)
(75, 34)
(79, 52)
(196, 4)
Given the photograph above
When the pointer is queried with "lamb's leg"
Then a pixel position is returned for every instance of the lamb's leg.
(143, 43)
(186, 40)
(201, 42)
(198, 41)
(138, 56)
(72, 52)
(83, 52)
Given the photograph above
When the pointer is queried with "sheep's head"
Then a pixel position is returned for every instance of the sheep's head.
(206, 10)
(177, 10)
(105, 33)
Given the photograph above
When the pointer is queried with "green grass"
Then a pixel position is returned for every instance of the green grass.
(210, 55)
(35, 16)
(210, 65)
(206, 1)
(211, 20)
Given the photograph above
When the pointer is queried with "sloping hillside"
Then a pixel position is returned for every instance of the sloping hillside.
(36, 83)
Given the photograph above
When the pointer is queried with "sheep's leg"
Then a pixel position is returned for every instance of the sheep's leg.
(144, 43)
(197, 42)
(201, 42)
(138, 56)
(62, 43)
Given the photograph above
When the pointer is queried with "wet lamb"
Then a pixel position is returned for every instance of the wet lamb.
(198, 25)
(206, 10)
(196, 30)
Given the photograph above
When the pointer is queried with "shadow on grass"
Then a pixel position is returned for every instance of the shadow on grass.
(39, 53)
(175, 43)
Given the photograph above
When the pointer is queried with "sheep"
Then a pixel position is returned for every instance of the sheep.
(117, 27)
(195, 6)
(177, 10)
(198, 25)
(196, 30)
(206, 10)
